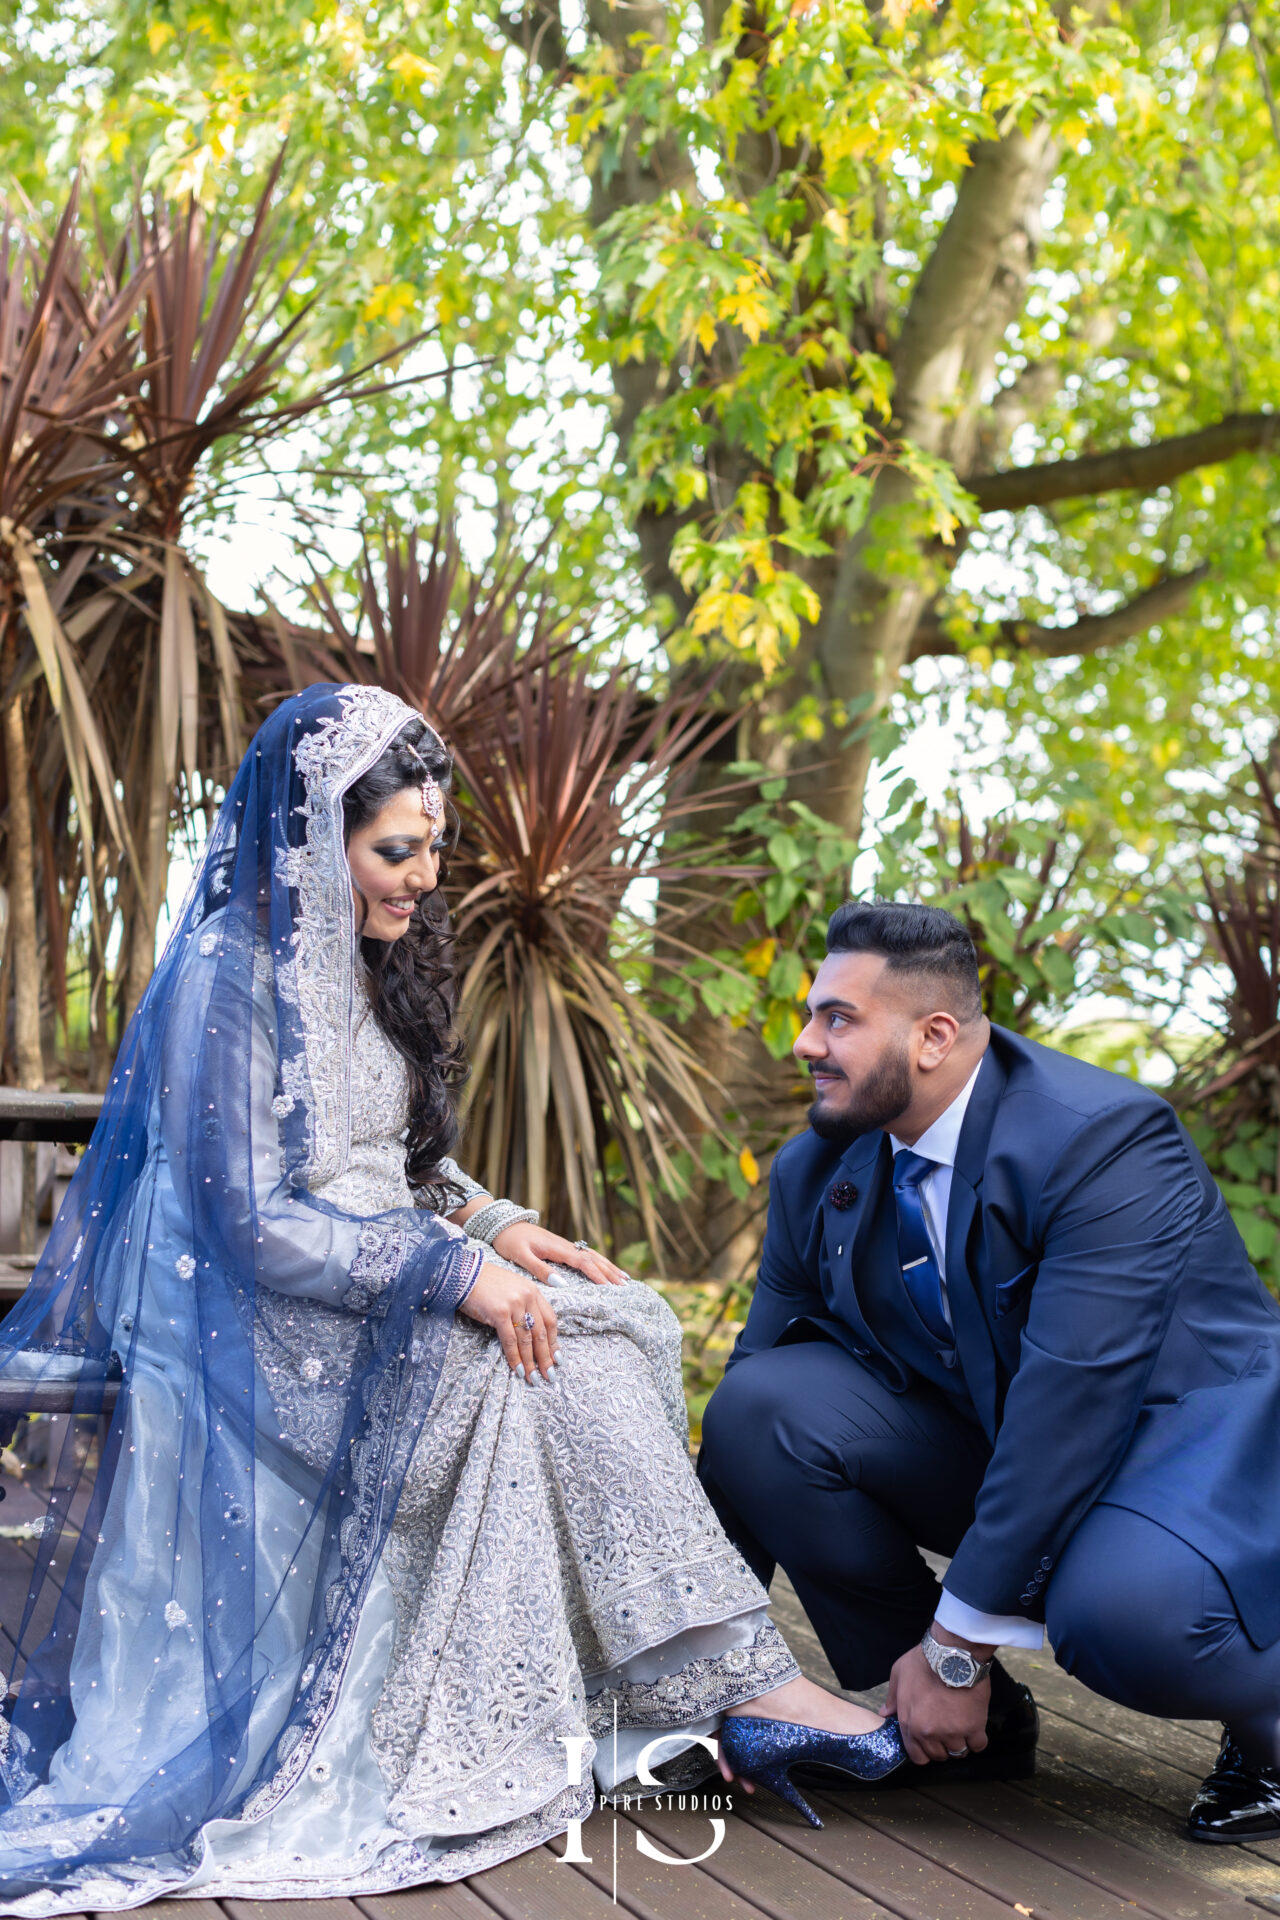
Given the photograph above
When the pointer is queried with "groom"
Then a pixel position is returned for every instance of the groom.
(1003, 1314)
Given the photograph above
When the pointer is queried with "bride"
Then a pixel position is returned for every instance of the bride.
(394, 1505)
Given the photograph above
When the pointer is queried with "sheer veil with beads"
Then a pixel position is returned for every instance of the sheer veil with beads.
(217, 1567)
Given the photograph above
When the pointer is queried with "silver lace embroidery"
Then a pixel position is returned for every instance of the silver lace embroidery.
(383, 1251)
(698, 1689)
(322, 964)
(450, 1189)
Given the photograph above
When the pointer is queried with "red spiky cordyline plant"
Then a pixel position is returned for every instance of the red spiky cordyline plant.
(1230, 1094)
(449, 664)
(571, 786)
(215, 339)
(1244, 918)
(577, 788)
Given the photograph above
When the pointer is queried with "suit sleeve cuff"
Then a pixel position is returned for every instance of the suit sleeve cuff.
(987, 1629)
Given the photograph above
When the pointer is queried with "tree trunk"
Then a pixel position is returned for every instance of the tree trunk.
(970, 290)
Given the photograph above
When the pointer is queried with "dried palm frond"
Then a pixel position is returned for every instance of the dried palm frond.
(67, 369)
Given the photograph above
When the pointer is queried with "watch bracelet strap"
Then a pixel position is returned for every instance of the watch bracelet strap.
(983, 1666)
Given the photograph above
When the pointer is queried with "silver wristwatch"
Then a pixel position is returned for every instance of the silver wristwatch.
(954, 1666)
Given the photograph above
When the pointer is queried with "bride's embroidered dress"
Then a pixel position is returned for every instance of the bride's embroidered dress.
(343, 1585)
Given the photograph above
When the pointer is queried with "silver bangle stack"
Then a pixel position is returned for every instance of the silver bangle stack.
(488, 1222)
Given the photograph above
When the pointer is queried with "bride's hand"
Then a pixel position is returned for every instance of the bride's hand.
(537, 1251)
(521, 1315)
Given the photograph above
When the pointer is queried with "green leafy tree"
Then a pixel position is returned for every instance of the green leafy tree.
(937, 333)
(423, 190)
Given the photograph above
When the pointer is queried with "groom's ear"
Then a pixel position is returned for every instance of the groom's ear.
(936, 1035)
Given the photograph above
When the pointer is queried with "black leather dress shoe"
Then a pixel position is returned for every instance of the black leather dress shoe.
(1013, 1727)
(1237, 1802)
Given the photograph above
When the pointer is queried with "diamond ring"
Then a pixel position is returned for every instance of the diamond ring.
(529, 1322)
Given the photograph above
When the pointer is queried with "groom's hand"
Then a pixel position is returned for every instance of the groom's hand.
(937, 1721)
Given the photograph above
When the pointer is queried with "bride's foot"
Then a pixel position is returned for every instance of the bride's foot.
(756, 1744)
(809, 1705)
(805, 1704)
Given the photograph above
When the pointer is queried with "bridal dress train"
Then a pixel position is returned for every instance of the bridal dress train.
(343, 1586)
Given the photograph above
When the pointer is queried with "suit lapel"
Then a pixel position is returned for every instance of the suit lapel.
(973, 1337)
(866, 1168)
(979, 1118)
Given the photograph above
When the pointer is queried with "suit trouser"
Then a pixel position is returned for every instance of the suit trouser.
(814, 1465)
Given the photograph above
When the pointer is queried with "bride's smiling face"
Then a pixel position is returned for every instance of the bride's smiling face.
(393, 858)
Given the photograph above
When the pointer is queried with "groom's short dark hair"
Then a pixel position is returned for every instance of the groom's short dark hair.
(912, 940)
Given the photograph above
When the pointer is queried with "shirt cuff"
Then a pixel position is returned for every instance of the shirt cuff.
(987, 1629)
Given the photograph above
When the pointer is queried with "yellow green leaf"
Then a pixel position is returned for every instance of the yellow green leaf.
(758, 958)
(412, 69)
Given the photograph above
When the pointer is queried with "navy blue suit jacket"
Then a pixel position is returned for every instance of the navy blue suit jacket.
(1115, 1342)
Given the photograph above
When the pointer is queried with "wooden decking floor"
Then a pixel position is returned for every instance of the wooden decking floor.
(1096, 1835)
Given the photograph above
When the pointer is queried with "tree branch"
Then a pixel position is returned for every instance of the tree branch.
(973, 280)
(1124, 467)
(1089, 634)
(539, 33)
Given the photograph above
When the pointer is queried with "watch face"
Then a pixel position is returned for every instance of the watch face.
(956, 1668)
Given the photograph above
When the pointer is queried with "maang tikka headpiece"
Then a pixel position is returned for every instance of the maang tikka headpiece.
(432, 798)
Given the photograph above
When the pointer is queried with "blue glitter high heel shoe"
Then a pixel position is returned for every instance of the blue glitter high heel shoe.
(766, 1750)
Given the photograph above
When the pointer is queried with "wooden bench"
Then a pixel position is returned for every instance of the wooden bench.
(70, 1118)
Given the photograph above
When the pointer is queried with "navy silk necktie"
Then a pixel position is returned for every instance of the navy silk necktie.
(915, 1248)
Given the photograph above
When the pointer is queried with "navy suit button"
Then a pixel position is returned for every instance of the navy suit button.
(861, 1353)
(1028, 1596)
(1046, 1563)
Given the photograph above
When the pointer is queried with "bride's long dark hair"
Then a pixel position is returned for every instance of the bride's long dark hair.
(410, 980)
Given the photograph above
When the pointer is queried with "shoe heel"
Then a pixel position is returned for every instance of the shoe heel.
(778, 1781)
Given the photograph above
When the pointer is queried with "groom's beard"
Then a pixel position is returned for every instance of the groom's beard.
(876, 1102)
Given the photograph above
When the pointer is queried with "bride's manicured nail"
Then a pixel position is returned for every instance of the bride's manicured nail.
(519, 1371)
(557, 1357)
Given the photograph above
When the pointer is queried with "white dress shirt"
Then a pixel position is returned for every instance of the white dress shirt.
(939, 1142)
